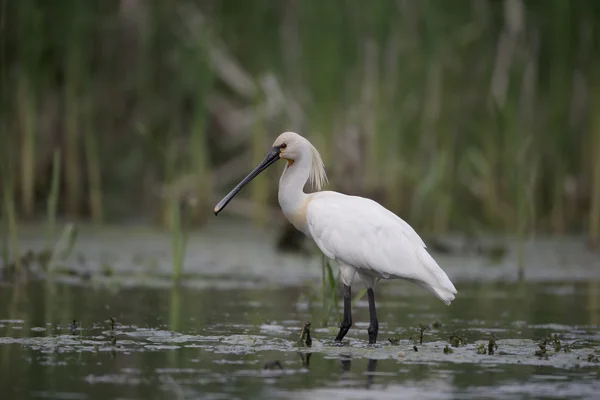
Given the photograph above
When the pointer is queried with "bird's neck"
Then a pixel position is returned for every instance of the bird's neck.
(292, 198)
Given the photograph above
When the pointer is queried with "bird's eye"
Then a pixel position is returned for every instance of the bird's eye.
(283, 146)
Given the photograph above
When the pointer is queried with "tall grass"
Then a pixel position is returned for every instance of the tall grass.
(174, 219)
(28, 59)
(179, 241)
(329, 290)
(419, 105)
(93, 165)
(52, 201)
(594, 133)
(28, 118)
(72, 127)
(10, 210)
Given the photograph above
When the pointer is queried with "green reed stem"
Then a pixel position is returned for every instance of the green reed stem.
(12, 217)
(28, 123)
(594, 214)
(52, 201)
(178, 240)
(93, 168)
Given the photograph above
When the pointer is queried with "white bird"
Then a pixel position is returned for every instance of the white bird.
(361, 235)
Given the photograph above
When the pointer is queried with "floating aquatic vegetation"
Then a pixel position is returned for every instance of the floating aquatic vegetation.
(542, 351)
(448, 350)
(556, 343)
(481, 349)
(421, 333)
(457, 340)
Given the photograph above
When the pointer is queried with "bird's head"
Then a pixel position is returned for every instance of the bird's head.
(288, 146)
(291, 146)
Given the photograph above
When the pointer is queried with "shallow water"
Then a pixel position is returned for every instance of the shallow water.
(214, 343)
(230, 330)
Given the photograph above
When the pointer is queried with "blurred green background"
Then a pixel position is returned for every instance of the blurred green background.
(462, 115)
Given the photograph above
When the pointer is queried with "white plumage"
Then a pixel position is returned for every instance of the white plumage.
(363, 236)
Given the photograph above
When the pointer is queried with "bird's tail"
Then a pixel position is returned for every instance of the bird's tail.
(438, 282)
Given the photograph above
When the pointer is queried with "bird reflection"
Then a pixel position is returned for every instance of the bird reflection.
(346, 364)
(371, 369)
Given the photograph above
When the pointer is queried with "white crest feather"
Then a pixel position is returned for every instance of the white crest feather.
(318, 177)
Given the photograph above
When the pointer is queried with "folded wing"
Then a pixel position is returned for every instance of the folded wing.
(362, 233)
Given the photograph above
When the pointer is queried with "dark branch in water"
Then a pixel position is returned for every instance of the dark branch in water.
(305, 335)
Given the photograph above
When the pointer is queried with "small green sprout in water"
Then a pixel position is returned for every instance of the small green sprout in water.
(556, 343)
(492, 345)
(113, 336)
(305, 339)
(457, 340)
(481, 349)
(436, 325)
(448, 350)
(422, 329)
(542, 351)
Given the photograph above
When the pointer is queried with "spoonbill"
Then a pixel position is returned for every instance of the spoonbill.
(365, 238)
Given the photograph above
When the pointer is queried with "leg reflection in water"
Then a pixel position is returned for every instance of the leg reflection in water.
(371, 369)
(346, 364)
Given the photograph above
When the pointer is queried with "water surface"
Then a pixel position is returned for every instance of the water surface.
(230, 330)
(205, 343)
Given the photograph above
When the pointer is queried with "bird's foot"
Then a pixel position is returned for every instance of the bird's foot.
(344, 328)
(372, 331)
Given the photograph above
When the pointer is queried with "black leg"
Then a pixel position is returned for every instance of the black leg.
(347, 321)
(374, 325)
